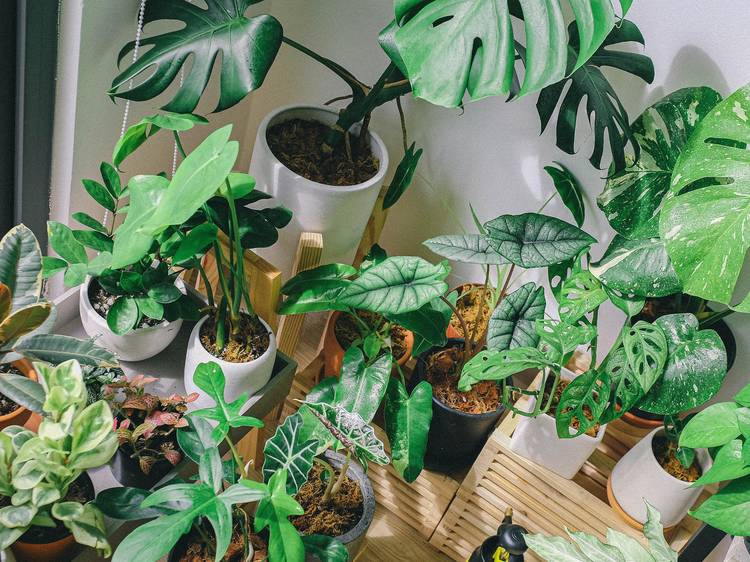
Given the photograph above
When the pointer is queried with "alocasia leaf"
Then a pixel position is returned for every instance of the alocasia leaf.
(584, 400)
(286, 450)
(534, 240)
(246, 47)
(632, 198)
(469, 248)
(512, 323)
(569, 189)
(362, 384)
(695, 368)
(407, 423)
(646, 351)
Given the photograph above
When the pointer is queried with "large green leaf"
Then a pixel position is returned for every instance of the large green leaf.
(310, 277)
(695, 368)
(715, 426)
(397, 285)
(286, 450)
(21, 266)
(646, 350)
(423, 343)
(534, 240)
(632, 198)
(639, 268)
(512, 323)
(729, 509)
(326, 549)
(407, 423)
(595, 549)
(362, 386)
(706, 225)
(569, 189)
(125, 503)
(558, 339)
(610, 120)
(56, 348)
(653, 530)
(586, 393)
(449, 47)
(246, 46)
(728, 464)
(469, 248)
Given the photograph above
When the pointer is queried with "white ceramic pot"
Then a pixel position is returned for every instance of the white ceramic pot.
(137, 345)
(247, 377)
(339, 213)
(638, 476)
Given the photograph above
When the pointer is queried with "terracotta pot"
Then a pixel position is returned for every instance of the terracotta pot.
(641, 422)
(21, 416)
(450, 331)
(333, 353)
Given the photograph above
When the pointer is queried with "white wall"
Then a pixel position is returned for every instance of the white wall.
(490, 154)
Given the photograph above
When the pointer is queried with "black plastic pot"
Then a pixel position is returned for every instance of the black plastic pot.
(455, 438)
(127, 471)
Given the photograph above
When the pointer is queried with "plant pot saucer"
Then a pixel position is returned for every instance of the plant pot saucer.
(668, 531)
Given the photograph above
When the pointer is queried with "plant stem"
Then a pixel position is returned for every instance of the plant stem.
(715, 317)
(207, 283)
(204, 537)
(342, 474)
(334, 67)
(401, 117)
(464, 327)
(507, 281)
(236, 456)
(331, 478)
(224, 285)
(178, 142)
(550, 198)
(239, 255)
(595, 341)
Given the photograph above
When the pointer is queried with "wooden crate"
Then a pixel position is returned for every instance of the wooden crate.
(542, 501)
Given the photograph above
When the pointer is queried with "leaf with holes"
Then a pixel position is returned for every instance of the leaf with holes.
(512, 323)
(646, 351)
(468, 248)
(569, 189)
(490, 365)
(629, 305)
(558, 339)
(638, 268)
(695, 368)
(632, 198)
(581, 293)
(287, 451)
(626, 390)
(534, 240)
(582, 403)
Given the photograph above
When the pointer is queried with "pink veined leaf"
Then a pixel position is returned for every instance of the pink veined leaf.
(159, 417)
(142, 380)
(146, 463)
(182, 422)
(174, 457)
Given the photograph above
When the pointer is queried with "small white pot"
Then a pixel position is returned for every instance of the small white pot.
(137, 345)
(248, 377)
(339, 213)
(638, 476)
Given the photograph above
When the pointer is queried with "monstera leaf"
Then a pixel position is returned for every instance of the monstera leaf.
(558, 339)
(632, 198)
(705, 220)
(583, 402)
(580, 294)
(609, 115)
(646, 351)
(695, 368)
(407, 423)
(21, 266)
(447, 47)
(351, 430)
(286, 450)
(638, 268)
(469, 248)
(512, 324)
(490, 365)
(626, 390)
(246, 46)
(534, 240)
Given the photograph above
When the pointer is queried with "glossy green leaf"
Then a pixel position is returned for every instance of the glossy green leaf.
(164, 293)
(150, 308)
(23, 391)
(626, 390)
(320, 295)
(493, 365)
(362, 384)
(286, 450)
(646, 351)
(52, 265)
(439, 322)
(580, 294)
(196, 243)
(94, 240)
(285, 544)
(512, 323)
(586, 392)
(715, 426)
(247, 45)
(743, 396)
(407, 423)
(309, 278)
(695, 368)
(729, 509)
(728, 464)
(123, 315)
(402, 177)
(534, 240)
(629, 305)
(632, 198)
(196, 437)
(569, 189)
(87, 220)
(63, 241)
(21, 266)
(125, 503)
(100, 194)
(468, 248)
(558, 339)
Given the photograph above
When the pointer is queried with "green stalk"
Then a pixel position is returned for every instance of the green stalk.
(224, 285)
(331, 477)
(236, 456)
(342, 476)
(239, 256)
(595, 341)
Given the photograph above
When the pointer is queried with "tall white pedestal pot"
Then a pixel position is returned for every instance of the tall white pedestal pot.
(137, 345)
(249, 376)
(638, 476)
(339, 213)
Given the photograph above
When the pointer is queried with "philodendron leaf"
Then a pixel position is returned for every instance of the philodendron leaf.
(196, 438)
(512, 323)
(631, 199)
(248, 47)
(639, 268)
(468, 248)
(705, 224)
(695, 368)
(397, 285)
(407, 422)
(352, 431)
(646, 351)
(23, 391)
(534, 240)
(273, 513)
(125, 503)
(493, 365)
(361, 385)
(426, 313)
(582, 403)
(630, 547)
(715, 426)
(21, 266)
(308, 278)
(594, 549)
(729, 509)
(580, 294)
(286, 450)
(56, 349)
(402, 177)
(569, 189)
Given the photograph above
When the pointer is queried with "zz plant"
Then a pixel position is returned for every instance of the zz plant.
(37, 470)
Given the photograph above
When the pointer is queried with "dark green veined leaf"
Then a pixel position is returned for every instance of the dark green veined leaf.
(63, 242)
(397, 285)
(407, 423)
(569, 189)
(308, 278)
(696, 367)
(632, 198)
(99, 193)
(469, 248)
(585, 394)
(435, 45)
(111, 179)
(557, 273)
(196, 438)
(164, 293)
(715, 426)
(729, 509)
(94, 240)
(626, 390)
(512, 323)
(319, 295)
(21, 266)
(150, 308)
(609, 115)
(87, 220)
(52, 265)
(131, 281)
(248, 46)
(123, 315)
(580, 294)
(639, 268)
(56, 348)
(402, 177)
(375, 256)
(646, 351)
(428, 322)
(287, 451)
(728, 464)
(23, 391)
(326, 549)
(257, 228)
(490, 365)
(361, 386)
(534, 240)
(705, 229)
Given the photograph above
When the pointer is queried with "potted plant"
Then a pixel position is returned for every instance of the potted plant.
(189, 213)
(45, 491)
(146, 427)
(619, 546)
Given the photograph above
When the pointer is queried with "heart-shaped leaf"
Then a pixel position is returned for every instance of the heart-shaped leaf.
(715, 426)
(582, 403)
(729, 509)
(407, 423)
(287, 451)
(361, 385)
(512, 323)
(728, 464)
(468, 248)
(646, 352)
